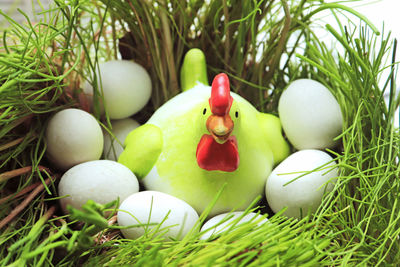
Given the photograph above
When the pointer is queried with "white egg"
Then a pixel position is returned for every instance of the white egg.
(126, 87)
(147, 207)
(305, 193)
(310, 115)
(102, 181)
(120, 128)
(221, 223)
(73, 136)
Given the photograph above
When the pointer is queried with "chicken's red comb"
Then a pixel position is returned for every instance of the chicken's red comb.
(221, 99)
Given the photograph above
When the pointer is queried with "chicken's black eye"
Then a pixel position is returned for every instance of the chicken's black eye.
(236, 114)
(204, 111)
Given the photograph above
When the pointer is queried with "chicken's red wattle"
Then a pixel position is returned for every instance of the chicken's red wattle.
(213, 156)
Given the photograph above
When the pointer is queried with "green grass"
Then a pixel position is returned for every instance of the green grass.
(43, 66)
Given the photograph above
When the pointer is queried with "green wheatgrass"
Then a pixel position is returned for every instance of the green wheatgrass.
(44, 64)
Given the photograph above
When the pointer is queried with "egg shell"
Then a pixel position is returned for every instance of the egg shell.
(120, 128)
(73, 136)
(215, 226)
(126, 87)
(102, 181)
(306, 192)
(177, 217)
(310, 115)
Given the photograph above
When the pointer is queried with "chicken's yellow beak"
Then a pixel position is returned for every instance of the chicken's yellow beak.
(220, 127)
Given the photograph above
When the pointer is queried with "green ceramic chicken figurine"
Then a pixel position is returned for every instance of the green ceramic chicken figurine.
(204, 138)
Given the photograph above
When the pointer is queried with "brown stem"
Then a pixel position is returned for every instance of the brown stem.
(14, 173)
(112, 220)
(142, 31)
(159, 67)
(20, 193)
(101, 237)
(169, 52)
(21, 120)
(12, 143)
(49, 212)
(24, 203)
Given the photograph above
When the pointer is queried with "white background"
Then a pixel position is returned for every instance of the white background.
(381, 13)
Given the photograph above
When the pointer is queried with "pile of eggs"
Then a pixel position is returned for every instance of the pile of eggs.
(75, 141)
(310, 117)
